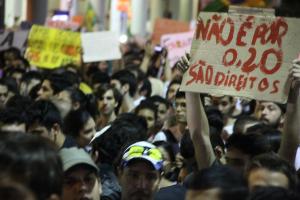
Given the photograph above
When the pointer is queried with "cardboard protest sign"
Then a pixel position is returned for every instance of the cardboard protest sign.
(52, 48)
(13, 39)
(165, 26)
(177, 45)
(243, 55)
(98, 46)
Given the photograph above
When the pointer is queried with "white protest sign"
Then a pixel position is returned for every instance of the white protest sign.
(13, 39)
(177, 45)
(246, 55)
(99, 46)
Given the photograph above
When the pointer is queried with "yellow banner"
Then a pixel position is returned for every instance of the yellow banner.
(52, 48)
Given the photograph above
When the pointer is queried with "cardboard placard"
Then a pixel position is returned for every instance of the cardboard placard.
(99, 46)
(13, 39)
(177, 45)
(243, 55)
(52, 48)
(165, 26)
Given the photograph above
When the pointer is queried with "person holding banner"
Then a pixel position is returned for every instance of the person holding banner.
(200, 132)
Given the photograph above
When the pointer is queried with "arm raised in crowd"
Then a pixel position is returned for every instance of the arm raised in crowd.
(198, 125)
(291, 130)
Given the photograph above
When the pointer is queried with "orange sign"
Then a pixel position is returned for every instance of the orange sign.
(166, 26)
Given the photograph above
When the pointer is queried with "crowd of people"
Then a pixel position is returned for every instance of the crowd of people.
(122, 130)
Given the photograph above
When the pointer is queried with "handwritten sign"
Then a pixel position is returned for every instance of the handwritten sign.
(177, 45)
(13, 39)
(165, 26)
(98, 46)
(52, 48)
(243, 55)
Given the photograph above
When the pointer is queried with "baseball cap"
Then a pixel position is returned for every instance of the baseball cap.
(143, 151)
(74, 156)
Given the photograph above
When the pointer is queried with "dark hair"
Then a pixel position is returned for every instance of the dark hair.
(272, 193)
(222, 177)
(147, 104)
(15, 51)
(187, 149)
(58, 82)
(117, 95)
(11, 116)
(179, 95)
(251, 144)
(174, 81)
(159, 99)
(272, 135)
(19, 102)
(288, 9)
(10, 83)
(77, 95)
(100, 77)
(215, 118)
(72, 77)
(273, 162)
(168, 148)
(91, 105)
(32, 161)
(146, 87)
(10, 190)
(126, 129)
(282, 107)
(138, 73)
(44, 113)
(34, 90)
(28, 76)
(10, 71)
(242, 121)
(74, 122)
(126, 77)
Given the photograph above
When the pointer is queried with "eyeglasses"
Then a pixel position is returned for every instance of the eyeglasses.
(138, 151)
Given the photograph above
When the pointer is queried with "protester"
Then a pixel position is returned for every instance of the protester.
(51, 85)
(33, 162)
(106, 147)
(69, 99)
(109, 101)
(80, 125)
(43, 119)
(271, 170)
(148, 110)
(80, 175)
(271, 113)
(140, 171)
(126, 83)
(217, 183)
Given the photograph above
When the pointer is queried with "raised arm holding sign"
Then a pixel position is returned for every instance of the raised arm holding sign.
(202, 76)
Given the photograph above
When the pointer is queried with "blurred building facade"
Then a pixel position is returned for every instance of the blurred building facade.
(136, 17)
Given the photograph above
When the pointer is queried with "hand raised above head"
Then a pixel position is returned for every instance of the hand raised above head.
(184, 63)
(295, 70)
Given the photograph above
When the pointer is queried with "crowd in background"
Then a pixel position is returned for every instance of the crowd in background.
(123, 130)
